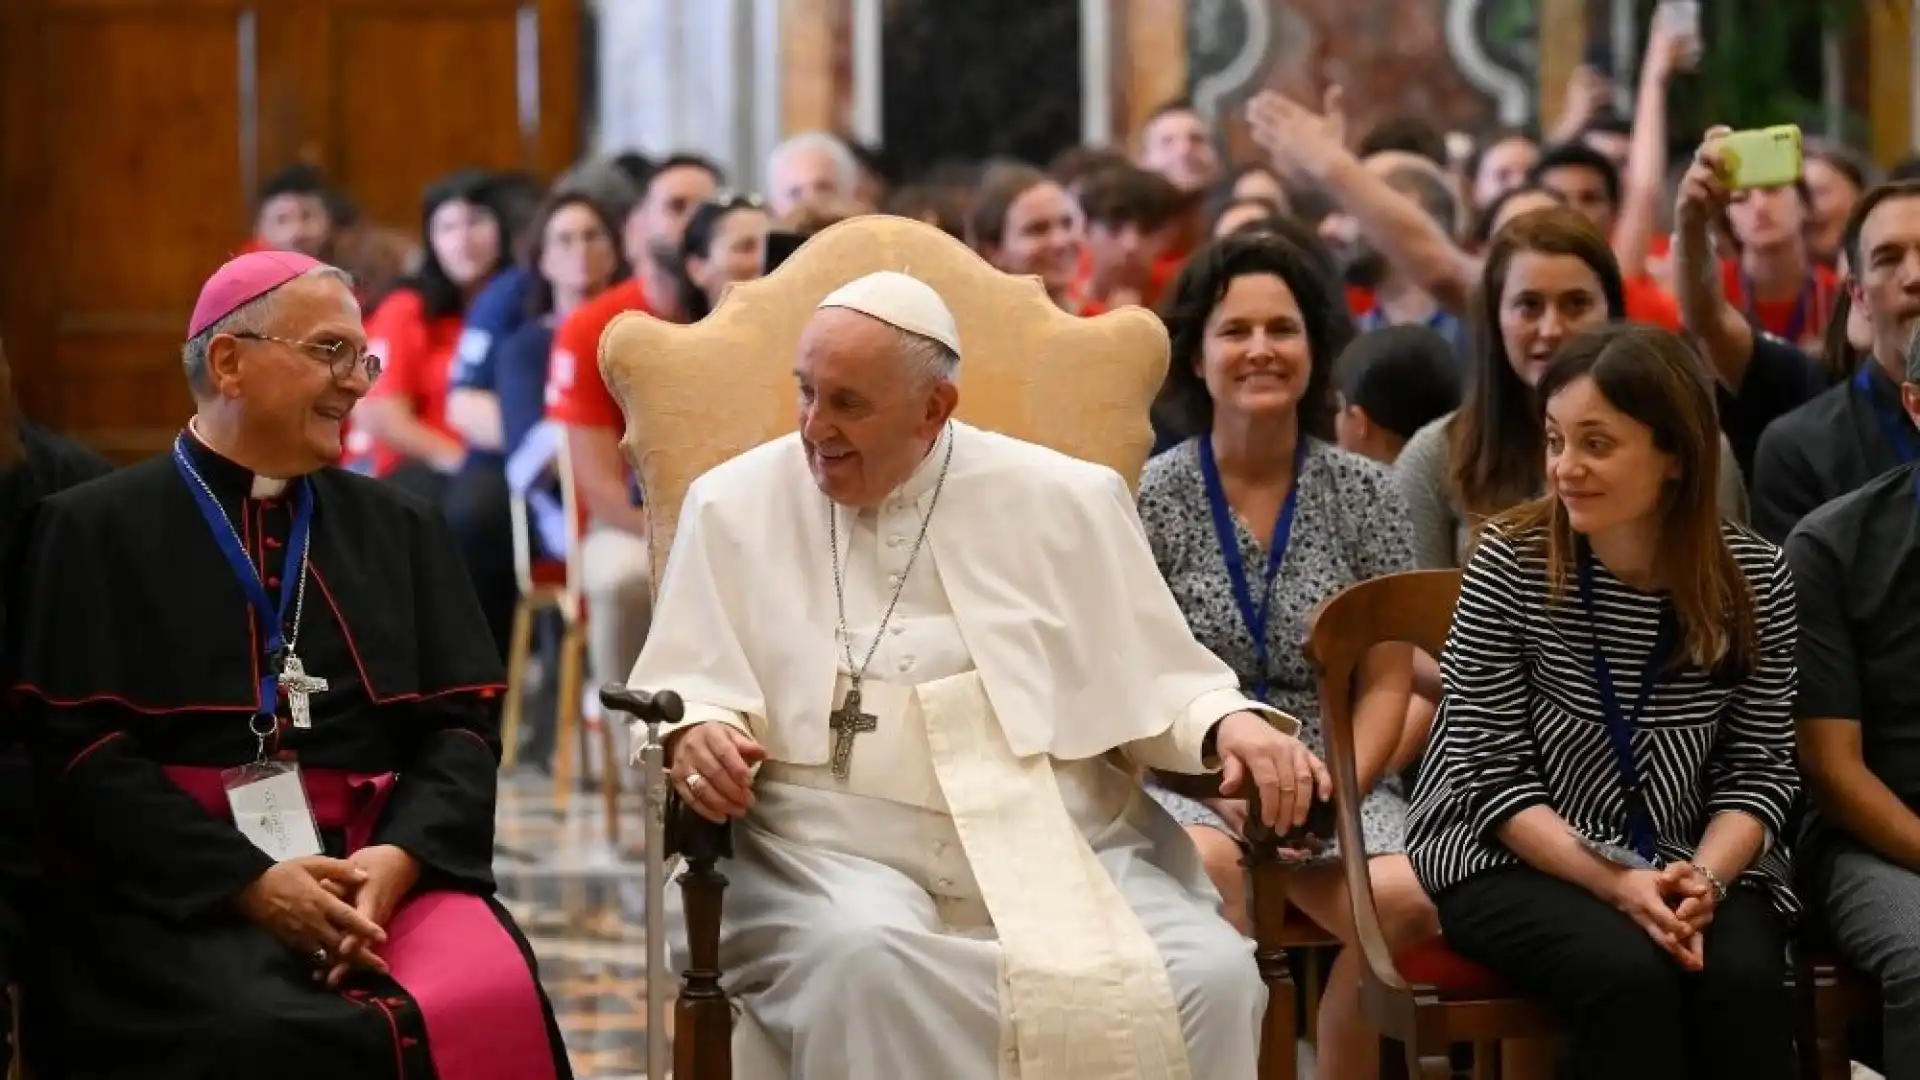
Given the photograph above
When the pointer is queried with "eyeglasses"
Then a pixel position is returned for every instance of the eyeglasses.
(339, 357)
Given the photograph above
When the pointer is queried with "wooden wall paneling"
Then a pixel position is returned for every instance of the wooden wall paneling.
(1563, 45)
(135, 146)
(23, 193)
(815, 94)
(1890, 67)
(1153, 49)
(562, 127)
(416, 90)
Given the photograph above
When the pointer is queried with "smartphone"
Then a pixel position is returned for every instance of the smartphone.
(1762, 157)
(1681, 18)
(779, 246)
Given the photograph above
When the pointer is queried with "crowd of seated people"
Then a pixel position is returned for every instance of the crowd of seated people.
(1667, 429)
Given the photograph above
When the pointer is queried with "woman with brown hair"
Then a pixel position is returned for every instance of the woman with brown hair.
(1549, 275)
(1602, 811)
(1255, 519)
(1023, 222)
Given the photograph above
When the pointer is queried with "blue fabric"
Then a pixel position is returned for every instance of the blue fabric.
(1444, 323)
(519, 365)
(492, 317)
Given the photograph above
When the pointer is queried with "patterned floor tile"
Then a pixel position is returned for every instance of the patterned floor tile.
(581, 902)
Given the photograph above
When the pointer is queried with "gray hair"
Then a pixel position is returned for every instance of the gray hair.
(929, 360)
(253, 317)
(819, 142)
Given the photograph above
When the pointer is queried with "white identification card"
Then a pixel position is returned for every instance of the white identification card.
(270, 808)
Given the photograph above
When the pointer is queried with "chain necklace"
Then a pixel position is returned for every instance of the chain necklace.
(300, 590)
(848, 720)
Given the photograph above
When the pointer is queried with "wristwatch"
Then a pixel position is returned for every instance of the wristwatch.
(1719, 887)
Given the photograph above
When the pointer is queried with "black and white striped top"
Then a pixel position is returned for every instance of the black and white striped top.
(1521, 723)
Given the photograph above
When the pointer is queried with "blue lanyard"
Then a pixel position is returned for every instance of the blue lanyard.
(1254, 617)
(1620, 725)
(271, 624)
(1796, 322)
(1893, 424)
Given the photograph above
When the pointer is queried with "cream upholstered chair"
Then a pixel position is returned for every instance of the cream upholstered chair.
(695, 396)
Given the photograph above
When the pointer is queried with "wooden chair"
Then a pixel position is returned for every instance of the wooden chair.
(695, 396)
(1831, 1001)
(1427, 998)
(549, 584)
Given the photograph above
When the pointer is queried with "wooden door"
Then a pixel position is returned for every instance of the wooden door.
(134, 132)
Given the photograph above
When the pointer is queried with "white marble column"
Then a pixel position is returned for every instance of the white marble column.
(685, 76)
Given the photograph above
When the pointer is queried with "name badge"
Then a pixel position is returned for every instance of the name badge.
(270, 808)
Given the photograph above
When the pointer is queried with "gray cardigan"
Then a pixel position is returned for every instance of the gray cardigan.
(1440, 531)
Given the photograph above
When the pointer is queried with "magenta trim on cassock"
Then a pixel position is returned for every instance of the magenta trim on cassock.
(448, 950)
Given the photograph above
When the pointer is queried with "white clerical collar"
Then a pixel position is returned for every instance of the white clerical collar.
(926, 474)
(264, 487)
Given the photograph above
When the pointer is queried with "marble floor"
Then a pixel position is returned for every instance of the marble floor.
(581, 902)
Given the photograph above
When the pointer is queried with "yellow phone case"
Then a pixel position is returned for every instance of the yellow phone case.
(1763, 157)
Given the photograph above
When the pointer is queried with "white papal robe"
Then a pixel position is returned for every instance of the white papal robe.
(987, 894)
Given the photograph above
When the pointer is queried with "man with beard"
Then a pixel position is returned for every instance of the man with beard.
(1392, 298)
(614, 559)
(1857, 430)
(34, 463)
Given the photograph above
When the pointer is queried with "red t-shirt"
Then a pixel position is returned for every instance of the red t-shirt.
(1799, 320)
(418, 354)
(576, 394)
(1648, 303)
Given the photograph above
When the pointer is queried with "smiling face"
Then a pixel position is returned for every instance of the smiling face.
(1042, 236)
(1545, 300)
(867, 418)
(291, 404)
(1255, 357)
(1602, 464)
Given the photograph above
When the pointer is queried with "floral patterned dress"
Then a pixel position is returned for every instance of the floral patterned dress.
(1349, 525)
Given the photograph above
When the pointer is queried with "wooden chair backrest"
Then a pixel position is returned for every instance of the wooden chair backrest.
(1415, 608)
(695, 396)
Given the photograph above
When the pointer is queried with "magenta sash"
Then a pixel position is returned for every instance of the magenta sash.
(448, 950)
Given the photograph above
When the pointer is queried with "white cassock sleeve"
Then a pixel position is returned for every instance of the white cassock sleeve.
(1155, 617)
(694, 648)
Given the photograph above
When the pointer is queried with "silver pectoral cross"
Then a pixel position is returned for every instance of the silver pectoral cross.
(848, 721)
(300, 687)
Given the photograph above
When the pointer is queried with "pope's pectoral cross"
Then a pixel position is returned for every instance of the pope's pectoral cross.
(848, 721)
(300, 688)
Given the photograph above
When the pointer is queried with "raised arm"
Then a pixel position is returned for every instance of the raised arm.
(1647, 155)
(1724, 334)
(1303, 142)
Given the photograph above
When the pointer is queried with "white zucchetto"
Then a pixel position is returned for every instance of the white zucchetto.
(900, 301)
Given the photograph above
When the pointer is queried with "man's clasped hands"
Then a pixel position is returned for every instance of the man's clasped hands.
(333, 912)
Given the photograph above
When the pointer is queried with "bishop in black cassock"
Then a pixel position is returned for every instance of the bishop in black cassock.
(138, 662)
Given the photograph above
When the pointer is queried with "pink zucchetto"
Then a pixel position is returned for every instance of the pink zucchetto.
(247, 277)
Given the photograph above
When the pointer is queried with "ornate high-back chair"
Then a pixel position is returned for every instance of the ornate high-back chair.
(695, 396)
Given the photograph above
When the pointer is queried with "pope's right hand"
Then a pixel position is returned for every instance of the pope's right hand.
(712, 767)
(292, 902)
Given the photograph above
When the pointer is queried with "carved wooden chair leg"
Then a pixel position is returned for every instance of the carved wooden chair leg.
(519, 655)
(1279, 1035)
(703, 1017)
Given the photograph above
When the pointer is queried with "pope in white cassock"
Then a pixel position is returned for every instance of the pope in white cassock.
(907, 646)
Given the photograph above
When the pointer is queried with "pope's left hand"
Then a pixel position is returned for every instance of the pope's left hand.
(1287, 775)
(391, 875)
